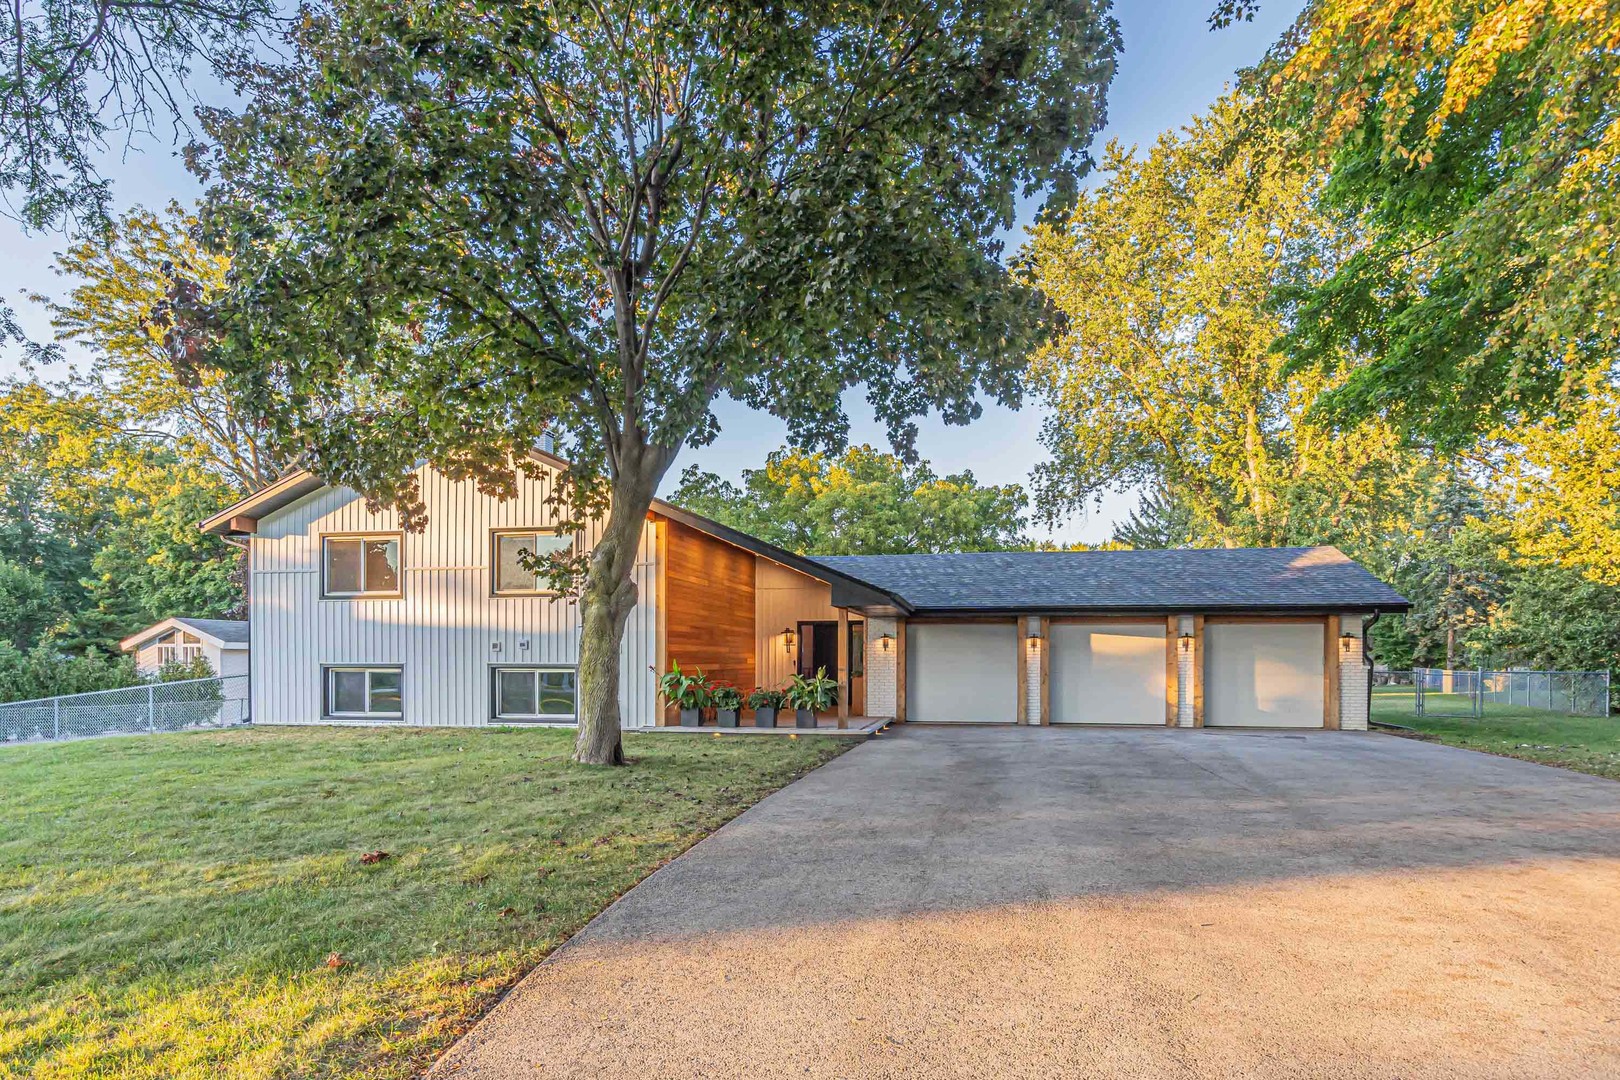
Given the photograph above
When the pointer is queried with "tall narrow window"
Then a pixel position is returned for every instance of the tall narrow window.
(532, 693)
(372, 693)
(362, 565)
(510, 578)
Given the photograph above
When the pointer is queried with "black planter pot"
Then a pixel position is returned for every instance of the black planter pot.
(765, 716)
(804, 718)
(691, 717)
(726, 717)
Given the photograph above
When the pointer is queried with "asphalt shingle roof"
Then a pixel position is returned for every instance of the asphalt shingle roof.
(228, 630)
(1190, 580)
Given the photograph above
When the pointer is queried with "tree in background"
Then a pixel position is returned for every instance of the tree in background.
(861, 502)
(129, 276)
(1472, 150)
(1559, 484)
(1165, 374)
(98, 533)
(454, 226)
(1162, 519)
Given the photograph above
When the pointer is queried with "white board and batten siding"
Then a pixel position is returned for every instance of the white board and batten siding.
(443, 630)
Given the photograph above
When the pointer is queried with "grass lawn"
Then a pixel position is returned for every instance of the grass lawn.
(1589, 744)
(195, 905)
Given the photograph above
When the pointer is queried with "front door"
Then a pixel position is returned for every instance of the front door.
(818, 648)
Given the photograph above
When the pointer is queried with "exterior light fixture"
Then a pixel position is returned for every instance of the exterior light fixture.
(790, 640)
(1347, 643)
(886, 642)
(1035, 640)
(1186, 643)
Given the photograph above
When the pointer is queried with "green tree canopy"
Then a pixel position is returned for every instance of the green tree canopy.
(128, 277)
(1473, 148)
(98, 533)
(860, 502)
(455, 225)
(1165, 375)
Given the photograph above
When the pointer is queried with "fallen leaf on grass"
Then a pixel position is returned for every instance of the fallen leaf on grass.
(335, 961)
(371, 857)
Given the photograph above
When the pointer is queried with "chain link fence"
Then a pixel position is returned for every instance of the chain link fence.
(1474, 692)
(130, 710)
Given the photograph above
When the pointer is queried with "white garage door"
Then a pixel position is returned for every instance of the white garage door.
(1107, 673)
(962, 673)
(1263, 674)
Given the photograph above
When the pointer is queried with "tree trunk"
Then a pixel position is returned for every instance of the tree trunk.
(609, 597)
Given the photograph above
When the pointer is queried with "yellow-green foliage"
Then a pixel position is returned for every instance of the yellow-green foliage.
(195, 906)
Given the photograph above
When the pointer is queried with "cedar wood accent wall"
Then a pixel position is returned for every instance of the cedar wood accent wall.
(708, 604)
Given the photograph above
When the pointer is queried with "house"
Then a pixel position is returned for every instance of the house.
(355, 620)
(222, 642)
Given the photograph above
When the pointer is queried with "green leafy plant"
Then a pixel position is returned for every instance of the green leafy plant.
(816, 693)
(685, 690)
(761, 697)
(725, 696)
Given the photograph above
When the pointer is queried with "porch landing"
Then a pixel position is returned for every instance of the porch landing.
(825, 725)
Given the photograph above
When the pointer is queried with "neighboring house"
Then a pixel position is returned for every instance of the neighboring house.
(222, 642)
(355, 620)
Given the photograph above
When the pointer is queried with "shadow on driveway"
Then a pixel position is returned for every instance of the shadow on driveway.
(980, 901)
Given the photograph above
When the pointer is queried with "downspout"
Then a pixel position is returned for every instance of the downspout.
(1367, 658)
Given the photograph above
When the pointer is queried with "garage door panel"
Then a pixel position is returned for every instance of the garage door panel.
(962, 673)
(1263, 674)
(1107, 673)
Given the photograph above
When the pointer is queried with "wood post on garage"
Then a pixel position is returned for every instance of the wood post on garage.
(1045, 689)
(1198, 671)
(1172, 669)
(1330, 673)
(1021, 670)
(900, 671)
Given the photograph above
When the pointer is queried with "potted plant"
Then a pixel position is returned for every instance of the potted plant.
(809, 696)
(764, 703)
(727, 701)
(687, 691)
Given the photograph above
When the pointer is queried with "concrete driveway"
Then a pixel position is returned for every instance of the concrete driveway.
(982, 902)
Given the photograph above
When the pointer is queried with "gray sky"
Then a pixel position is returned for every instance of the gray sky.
(1172, 67)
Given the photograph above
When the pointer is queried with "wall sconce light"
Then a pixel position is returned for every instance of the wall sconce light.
(1186, 642)
(1035, 640)
(790, 640)
(886, 642)
(1347, 643)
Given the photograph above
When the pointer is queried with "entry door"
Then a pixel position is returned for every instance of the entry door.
(1263, 674)
(1107, 672)
(818, 648)
(962, 673)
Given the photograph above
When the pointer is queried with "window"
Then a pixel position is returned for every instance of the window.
(178, 647)
(370, 692)
(362, 565)
(510, 577)
(528, 693)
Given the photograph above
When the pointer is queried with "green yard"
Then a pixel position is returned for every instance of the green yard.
(1588, 743)
(196, 905)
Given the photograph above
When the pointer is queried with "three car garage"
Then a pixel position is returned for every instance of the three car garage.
(1240, 637)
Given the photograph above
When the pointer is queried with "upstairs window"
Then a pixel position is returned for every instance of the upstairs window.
(361, 565)
(511, 579)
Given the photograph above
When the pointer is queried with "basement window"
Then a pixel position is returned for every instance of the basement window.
(365, 693)
(533, 695)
